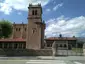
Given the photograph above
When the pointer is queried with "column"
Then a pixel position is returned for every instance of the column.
(2, 45)
(22, 45)
(12, 45)
(17, 45)
(8, 45)
(54, 50)
(67, 46)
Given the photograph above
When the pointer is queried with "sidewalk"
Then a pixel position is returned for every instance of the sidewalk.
(62, 58)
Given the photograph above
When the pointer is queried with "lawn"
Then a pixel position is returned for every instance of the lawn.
(78, 49)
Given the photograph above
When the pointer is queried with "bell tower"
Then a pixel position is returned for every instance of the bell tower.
(35, 28)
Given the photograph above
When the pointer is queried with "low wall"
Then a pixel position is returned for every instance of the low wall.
(25, 52)
(84, 52)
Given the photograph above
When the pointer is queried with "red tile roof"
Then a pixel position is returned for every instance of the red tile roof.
(61, 38)
(13, 40)
(24, 40)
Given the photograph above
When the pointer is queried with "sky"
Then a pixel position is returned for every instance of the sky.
(66, 17)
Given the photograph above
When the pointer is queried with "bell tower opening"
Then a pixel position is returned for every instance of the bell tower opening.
(32, 12)
(35, 12)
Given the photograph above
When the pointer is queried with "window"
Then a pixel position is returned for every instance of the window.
(15, 46)
(20, 45)
(5, 45)
(19, 29)
(10, 45)
(48, 45)
(0, 45)
(33, 12)
(33, 30)
(16, 29)
(25, 29)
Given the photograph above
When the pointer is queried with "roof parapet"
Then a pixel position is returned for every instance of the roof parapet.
(36, 5)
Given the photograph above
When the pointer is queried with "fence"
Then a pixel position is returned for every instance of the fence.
(72, 52)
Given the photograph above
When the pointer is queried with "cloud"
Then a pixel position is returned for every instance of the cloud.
(57, 6)
(19, 13)
(7, 6)
(67, 27)
(48, 10)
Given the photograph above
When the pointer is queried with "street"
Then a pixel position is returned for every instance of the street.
(43, 60)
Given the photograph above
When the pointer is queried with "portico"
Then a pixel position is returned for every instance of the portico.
(12, 44)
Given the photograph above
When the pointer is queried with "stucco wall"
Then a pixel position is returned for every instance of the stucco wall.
(25, 52)
(19, 31)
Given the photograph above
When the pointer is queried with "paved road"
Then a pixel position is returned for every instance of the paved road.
(53, 62)
(40, 62)
(43, 60)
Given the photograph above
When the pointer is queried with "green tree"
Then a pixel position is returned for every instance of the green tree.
(5, 28)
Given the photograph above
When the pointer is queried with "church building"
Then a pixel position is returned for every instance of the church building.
(31, 35)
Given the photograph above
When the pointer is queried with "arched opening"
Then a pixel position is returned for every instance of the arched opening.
(60, 45)
(65, 45)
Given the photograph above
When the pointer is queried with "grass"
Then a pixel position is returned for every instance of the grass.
(77, 49)
(13, 61)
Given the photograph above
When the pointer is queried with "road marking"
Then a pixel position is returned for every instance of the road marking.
(77, 63)
(37, 62)
(45, 62)
(59, 61)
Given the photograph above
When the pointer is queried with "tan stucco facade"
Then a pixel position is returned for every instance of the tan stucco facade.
(19, 31)
(35, 28)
